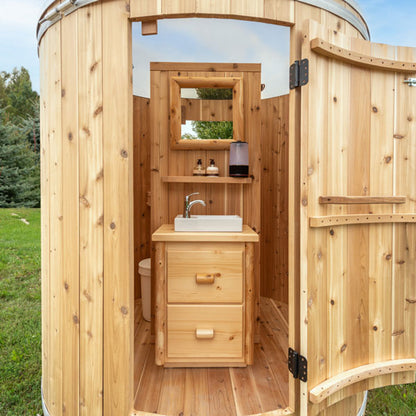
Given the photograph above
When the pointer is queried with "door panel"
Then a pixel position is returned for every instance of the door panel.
(358, 133)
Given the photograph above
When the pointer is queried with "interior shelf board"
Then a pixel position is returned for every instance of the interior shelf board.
(206, 179)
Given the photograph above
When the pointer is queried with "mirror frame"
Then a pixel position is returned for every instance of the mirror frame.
(176, 83)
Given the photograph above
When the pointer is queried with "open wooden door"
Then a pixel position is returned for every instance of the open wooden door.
(358, 217)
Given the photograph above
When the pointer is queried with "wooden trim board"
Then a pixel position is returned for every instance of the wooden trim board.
(362, 200)
(334, 384)
(332, 220)
(362, 60)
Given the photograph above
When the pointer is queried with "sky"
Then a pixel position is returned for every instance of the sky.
(390, 21)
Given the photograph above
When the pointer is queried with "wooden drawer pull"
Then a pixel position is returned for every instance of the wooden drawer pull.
(204, 333)
(206, 279)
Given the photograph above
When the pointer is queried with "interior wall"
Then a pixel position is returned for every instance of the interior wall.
(274, 192)
(141, 185)
(274, 197)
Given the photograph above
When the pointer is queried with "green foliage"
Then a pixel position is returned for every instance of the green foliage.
(392, 401)
(19, 141)
(213, 129)
(20, 323)
(214, 93)
(17, 99)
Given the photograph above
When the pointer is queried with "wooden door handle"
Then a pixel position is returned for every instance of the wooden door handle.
(204, 333)
(205, 278)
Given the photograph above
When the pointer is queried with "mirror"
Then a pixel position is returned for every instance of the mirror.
(205, 113)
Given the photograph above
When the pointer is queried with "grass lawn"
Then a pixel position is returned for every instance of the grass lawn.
(20, 325)
(20, 339)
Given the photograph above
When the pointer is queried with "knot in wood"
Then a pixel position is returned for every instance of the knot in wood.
(70, 136)
(343, 348)
(124, 153)
(75, 319)
(409, 118)
(66, 286)
(335, 99)
(113, 226)
(388, 257)
(387, 159)
(63, 92)
(124, 310)
(375, 328)
(304, 202)
(332, 302)
(375, 109)
(332, 232)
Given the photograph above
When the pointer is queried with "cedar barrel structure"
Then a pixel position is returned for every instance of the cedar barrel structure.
(334, 191)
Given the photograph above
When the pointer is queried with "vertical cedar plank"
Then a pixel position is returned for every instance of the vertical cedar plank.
(70, 211)
(252, 195)
(404, 244)
(337, 178)
(254, 8)
(55, 218)
(159, 125)
(45, 197)
(160, 301)
(274, 197)
(118, 209)
(91, 209)
(359, 156)
(381, 291)
(250, 298)
(314, 181)
(141, 166)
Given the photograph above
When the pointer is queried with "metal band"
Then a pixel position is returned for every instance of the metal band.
(56, 14)
(69, 6)
(354, 4)
(342, 12)
(44, 408)
(361, 412)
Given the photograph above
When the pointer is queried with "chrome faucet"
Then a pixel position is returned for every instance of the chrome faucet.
(189, 204)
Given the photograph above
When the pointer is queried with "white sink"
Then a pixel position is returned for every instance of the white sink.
(219, 223)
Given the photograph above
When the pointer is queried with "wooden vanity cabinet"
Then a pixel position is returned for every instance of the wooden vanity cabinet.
(205, 295)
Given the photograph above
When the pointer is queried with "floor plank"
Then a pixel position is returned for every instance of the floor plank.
(261, 387)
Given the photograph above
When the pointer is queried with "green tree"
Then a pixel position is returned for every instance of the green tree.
(19, 168)
(17, 98)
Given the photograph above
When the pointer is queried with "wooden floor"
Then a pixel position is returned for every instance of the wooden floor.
(258, 388)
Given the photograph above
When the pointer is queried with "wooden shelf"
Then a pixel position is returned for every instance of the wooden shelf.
(206, 179)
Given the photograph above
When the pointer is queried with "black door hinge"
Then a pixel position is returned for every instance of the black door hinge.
(299, 73)
(298, 365)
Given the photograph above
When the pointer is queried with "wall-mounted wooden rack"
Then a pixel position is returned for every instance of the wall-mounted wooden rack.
(365, 61)
(334, 384)
(333, 220)
(349, 200)
(206, 179)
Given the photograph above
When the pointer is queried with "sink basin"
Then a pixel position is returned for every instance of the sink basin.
(219, 223)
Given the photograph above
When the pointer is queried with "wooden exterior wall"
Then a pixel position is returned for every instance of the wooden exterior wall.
(87, 256)
(87, 193)
(358, 278)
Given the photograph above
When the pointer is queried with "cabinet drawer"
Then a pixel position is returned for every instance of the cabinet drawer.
(204, 331)
(205, 273)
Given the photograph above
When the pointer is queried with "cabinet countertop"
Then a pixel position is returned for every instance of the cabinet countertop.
(167, 233)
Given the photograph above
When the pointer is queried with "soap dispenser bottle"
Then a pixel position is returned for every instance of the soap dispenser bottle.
(212, 170)
(239, 159)
(199, 169)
